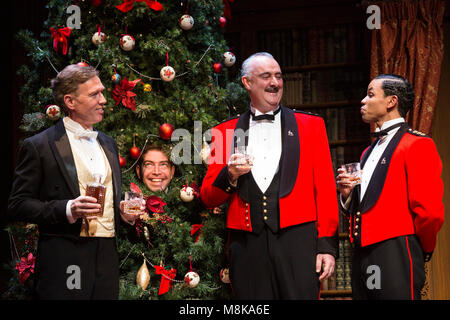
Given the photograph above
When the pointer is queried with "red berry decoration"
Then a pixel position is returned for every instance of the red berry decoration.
(217, 67)
(82, 64)
(122, 161)
(165, 131)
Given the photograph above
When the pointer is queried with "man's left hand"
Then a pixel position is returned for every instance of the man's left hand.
(325, 264)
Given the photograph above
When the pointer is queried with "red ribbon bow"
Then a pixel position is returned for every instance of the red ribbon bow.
(122, 93)
(25, 267)
(196, 228)
(166, 278)
(227, 8)
(60, 38)
(127, 5)
(155, 204)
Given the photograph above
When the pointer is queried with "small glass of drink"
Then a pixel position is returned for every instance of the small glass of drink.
(133, 202)
(354, 169)
(97, 190)
(247, 160)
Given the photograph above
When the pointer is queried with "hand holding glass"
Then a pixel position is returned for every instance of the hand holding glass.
(354, 170)
(133, 203)
(245, 160)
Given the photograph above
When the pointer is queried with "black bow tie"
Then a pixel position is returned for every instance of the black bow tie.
(265, 116)
(385, 132)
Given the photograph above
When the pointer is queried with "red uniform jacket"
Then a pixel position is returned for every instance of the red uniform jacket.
(307, 185)
(404, 195)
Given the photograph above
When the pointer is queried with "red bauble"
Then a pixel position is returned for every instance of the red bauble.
(223, 22)
(82, 64)
(165, 131)
(217, 66)
(122, 161)
(135, 152)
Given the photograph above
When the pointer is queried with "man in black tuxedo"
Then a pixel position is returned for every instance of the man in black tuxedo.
(77, 254)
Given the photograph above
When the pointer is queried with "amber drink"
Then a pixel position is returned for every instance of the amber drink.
(97, 190)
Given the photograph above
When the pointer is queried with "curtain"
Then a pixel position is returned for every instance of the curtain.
(410, 44)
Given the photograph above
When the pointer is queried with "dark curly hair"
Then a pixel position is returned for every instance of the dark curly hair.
(395, 85)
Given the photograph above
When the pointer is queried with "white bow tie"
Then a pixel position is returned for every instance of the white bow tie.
(86, 134)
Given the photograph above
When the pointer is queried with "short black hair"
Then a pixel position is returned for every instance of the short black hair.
(395, 85)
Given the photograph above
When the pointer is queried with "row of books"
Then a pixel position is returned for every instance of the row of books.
(341, 279)
(313, 45)
(325, 85)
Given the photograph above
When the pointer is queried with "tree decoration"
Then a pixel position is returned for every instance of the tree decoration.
(122, 93)
(229, 59)
(122, 162)
(222, 22)
(225, 275)
(186, 22)
(155, 204)
(191, 279)
(167, 277)
(25, 267)
(135, 152)
(53, 112)
(127, 5)
(127, 42)
(60, 39)
(165, 131)
(143, 276)
(217, 67)
(98, 37)
(196, 230)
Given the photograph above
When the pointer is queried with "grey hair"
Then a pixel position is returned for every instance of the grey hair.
(247, 65)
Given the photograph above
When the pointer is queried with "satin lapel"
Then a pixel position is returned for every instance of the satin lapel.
(367, 154)
(60, 146)
(290, 155)
(378, 178)
(241, 132)
(111, 155)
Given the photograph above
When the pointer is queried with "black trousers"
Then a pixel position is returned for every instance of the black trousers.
(274, 266)
(82, 269)
(389, 270)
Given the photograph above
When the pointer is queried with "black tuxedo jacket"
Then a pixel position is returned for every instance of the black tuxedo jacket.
(45, 180)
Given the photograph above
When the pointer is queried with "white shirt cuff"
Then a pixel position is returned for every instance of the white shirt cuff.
(347, 202)
(69, 213)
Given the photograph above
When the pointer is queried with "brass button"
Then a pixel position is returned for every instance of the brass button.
(264, 198)
(246, 204)
(264, 204)
(265, 218)
(356, 227)
(248, 225)
(358, 213)
(246, 218)
(356, 234)
(357, 219)
(246, 211)
(265, 210)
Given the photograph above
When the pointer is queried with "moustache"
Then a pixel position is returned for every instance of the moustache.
(272, 89)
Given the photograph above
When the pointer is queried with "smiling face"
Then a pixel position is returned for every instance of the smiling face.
(156, 171)
(376, 106)
(86, 104)
(264, 84)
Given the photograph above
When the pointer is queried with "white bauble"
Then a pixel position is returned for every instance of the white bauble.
(98, 38)
(225, 275)
(186, 22)
(167, 73)
(229, 59)
(53, 112)
(127, 42)
(187, 194)
(191, 279)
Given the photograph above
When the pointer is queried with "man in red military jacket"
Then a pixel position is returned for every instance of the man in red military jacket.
(282, 210)
(397, 210)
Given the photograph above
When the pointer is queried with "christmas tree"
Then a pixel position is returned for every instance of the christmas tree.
(164, 65)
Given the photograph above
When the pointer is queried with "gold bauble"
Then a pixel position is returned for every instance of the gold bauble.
(143, 276)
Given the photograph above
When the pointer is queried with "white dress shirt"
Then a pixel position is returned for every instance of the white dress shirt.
(374, 158)
(85, 144)
(264, 143)
(377, 152)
